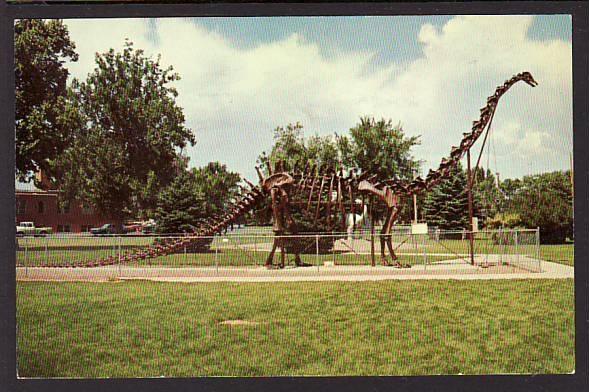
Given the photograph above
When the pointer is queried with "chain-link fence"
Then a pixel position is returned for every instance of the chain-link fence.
(515, 249)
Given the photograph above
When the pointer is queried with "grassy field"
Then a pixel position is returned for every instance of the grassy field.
(135, 329)
(562, 254)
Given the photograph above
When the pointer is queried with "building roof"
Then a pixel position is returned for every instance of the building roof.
(25, 186)
(28, 187)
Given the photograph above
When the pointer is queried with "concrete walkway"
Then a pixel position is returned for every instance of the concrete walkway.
(453, 269)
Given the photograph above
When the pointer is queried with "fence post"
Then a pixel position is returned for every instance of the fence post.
(372, 257)
(317, 251)
(538, 249)
(255, 250)
(516, 247)
(425, 237)
(333, 249)
(120, 257)
(46, 253)
(501, 247)
(217, 259)
(26, 261)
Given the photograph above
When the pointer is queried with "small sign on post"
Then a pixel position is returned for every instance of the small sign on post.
(419, 228)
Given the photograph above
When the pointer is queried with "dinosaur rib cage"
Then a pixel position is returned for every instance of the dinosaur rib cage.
(318, 189)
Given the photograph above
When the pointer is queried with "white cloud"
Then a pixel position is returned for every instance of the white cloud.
(234, 97)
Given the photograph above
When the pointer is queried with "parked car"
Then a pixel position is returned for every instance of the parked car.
(107, 228)
(28, 228)
(148, 226)
(132, 228)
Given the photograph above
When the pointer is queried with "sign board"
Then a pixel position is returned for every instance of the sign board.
(475, 224)
(419, 228)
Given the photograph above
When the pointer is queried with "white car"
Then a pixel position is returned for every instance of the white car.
(28, 228)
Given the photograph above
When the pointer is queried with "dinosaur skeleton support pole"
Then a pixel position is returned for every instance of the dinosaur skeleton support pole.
(470, 209)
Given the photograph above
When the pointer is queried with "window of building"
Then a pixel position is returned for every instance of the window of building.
(63, 207)
(21, 206)
(86, 209)
(40, 207)
(64, 228)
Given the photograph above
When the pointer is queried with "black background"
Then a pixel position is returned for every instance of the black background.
(81, 9)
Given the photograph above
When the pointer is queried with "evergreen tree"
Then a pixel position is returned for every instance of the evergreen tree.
(446, 205)
(180, 205)
(195, 196)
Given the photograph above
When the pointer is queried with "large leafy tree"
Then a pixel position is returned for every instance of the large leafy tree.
(131, 132)
(545, 201)
(374, 146)
(43, 119)
(195, 195)
(446, 205)
(219, 185)
(381, 148)
(295, 151)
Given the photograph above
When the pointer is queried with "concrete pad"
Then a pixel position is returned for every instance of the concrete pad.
(451, 269)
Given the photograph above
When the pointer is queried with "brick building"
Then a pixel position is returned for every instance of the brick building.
(41, 207)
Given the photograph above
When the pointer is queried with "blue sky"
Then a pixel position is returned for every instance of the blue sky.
(242, 77)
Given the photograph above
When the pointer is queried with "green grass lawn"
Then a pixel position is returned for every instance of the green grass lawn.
(563, 254)
(139, 328)
(223, 258)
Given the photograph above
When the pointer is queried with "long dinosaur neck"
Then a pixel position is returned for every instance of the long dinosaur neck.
(448, 164)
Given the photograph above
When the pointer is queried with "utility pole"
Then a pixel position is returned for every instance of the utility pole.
(414, 200)
(372, 256)
(470, 208)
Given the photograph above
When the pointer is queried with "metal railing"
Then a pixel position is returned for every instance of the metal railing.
(516, 249)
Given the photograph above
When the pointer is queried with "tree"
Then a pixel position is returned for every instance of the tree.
(132, 128)
(218, 184)
(488, 200)
(380, 148)
(383, 149)
(509, 188)
(194, 196)
(289, 147)
(42, 118)
(545, 201)
(294, 151)
(446, 205)
(180, 205)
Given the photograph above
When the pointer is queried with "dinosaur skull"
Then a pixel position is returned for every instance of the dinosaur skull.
(277, 180)
(529, 79)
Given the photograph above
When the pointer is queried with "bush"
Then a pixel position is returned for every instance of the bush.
(504, 220)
